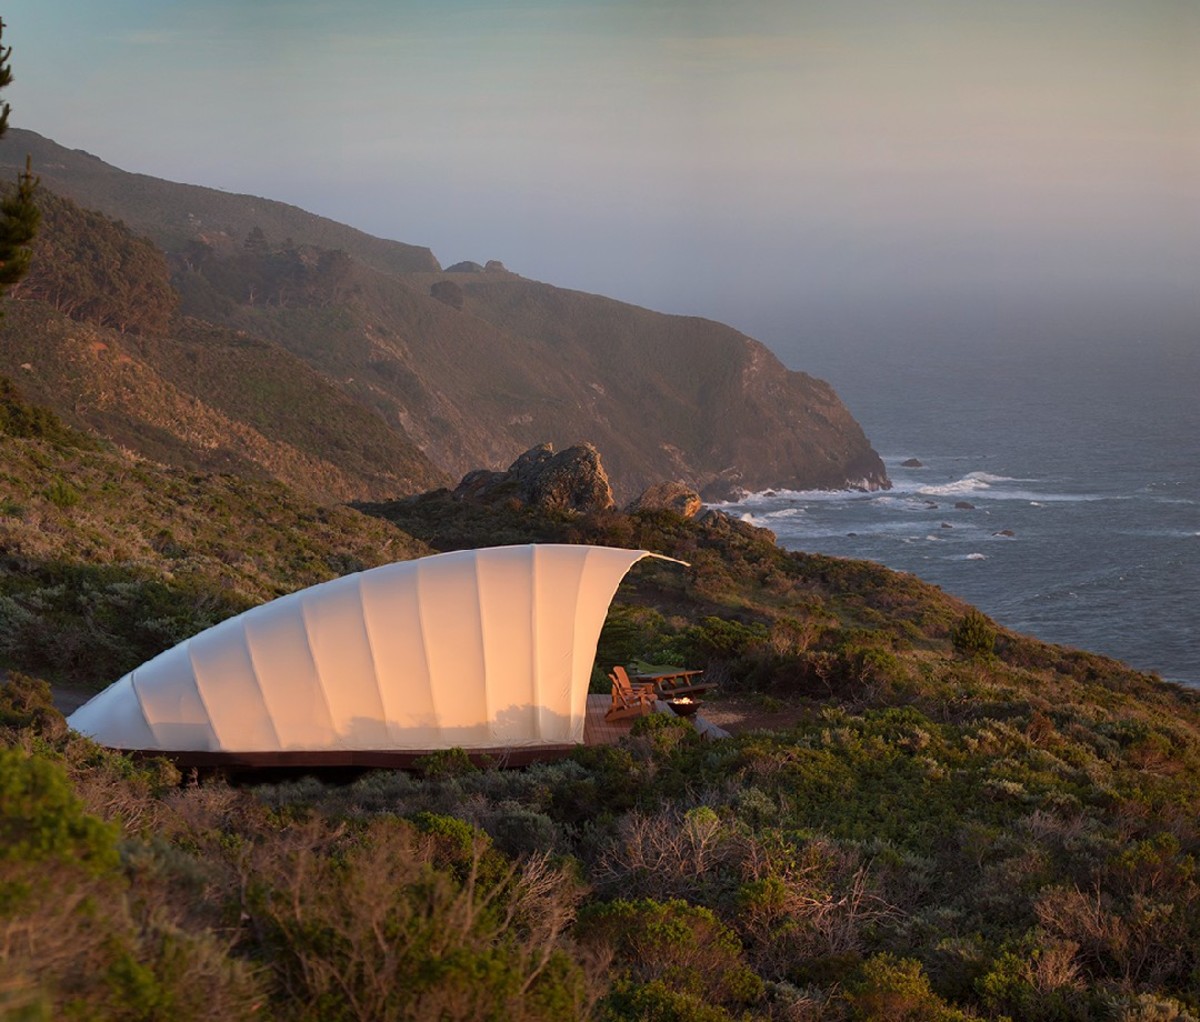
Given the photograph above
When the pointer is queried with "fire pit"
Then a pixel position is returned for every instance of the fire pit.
(684, 706)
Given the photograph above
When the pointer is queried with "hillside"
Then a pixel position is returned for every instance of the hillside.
(475, 367)
(944, 821)
(108, 559)
(210, 399)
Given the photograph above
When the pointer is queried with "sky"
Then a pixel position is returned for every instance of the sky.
(792, 168)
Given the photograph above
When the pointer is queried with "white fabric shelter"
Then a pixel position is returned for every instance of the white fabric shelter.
(478, 649)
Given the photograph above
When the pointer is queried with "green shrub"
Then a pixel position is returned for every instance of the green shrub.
(657, 1002)
(21, 419)
(42, 819)
(973, 635)
(26, 702)
(61, 494)
(890, 989)
(446, 763)
(664, 731)
(684, 947)
(370, 925)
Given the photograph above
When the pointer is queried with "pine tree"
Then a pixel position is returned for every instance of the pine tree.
(19, 214)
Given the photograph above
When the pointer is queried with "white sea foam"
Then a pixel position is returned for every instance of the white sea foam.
(775, 497)
(972, 482)
(984, 485)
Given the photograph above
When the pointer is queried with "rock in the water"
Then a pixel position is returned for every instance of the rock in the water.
(931, 503)
(911, 463)
(964, 505)
(677, 497)
(1005, 532)
(572, 480)
(947, 525)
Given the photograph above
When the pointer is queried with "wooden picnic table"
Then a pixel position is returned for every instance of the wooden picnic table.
(658, 677)
(672, 681)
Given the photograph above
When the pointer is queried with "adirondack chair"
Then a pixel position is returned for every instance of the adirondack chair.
(629, 700)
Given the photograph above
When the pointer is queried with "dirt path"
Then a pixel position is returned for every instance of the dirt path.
(737, 714)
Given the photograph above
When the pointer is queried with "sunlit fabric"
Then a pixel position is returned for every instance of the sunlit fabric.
(476, 649)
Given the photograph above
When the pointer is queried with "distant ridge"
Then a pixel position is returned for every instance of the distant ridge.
(463, 368)
(171, 214)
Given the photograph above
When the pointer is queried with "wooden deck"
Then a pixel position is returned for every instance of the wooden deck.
(596, 731)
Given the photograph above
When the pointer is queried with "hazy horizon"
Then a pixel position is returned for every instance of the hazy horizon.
(788, 168)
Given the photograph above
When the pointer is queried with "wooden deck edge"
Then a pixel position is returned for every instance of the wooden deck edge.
(396, 759)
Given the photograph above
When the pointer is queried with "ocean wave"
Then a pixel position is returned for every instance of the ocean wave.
(972, 482)
(905, 503)
(768, 498)
(954, 489)
(989, 489)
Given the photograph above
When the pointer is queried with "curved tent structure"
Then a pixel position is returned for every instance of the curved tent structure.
(486, 649)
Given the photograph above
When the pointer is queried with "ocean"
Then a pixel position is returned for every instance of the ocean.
(1058, 487)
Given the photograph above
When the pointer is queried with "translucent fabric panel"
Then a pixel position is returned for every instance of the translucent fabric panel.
(292, 691)
(602, 574)
(505, 583)
(118, 711)
(451, 624)
(166, 689)
(557, 578)
(392, 617)
(345, 663)
(230, 688)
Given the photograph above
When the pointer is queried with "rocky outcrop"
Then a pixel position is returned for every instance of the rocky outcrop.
(448, 293)
(677, 497)
(571, 480)
(466, 266)
(720, 525)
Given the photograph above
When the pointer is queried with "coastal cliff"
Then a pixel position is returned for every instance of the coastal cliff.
(444, 371)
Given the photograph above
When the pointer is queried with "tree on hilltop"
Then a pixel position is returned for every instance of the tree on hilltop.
(19, 214)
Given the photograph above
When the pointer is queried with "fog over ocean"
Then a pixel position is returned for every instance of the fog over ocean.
(1087, 451)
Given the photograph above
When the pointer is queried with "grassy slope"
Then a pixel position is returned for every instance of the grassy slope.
(210, 399)
(109, 559)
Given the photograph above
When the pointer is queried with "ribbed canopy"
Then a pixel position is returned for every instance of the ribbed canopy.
(476, 649)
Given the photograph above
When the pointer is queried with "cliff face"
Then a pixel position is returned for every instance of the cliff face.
(677, 397)
(789, 429)
(465, 367)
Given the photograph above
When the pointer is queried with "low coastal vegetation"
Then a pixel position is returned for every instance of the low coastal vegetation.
(948, 820)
